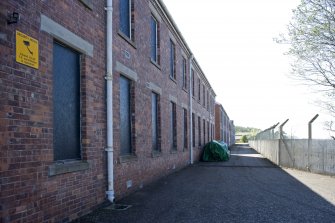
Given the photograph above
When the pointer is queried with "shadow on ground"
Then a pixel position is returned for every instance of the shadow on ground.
(247, 188)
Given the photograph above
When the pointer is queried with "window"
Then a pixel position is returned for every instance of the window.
(204, 125)
(211, 106)
(185, 129)
(173, 125)
(199, 131)
(199, 90)
(184, 74)
(172, 60)
(154, 40)
(221, 126)
(208, 131)
(193, 130)
(212, 131)
(127, 18)
(66, 103)
(125, 116)
(207, 101)
(155, 110)
(204, 95)
(193, 87)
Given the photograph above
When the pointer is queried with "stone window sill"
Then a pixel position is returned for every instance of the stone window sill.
(155, 63)
(156, 154)
(62, 167)
(173, 79)
(87, 3)
(126, 38)
(128, 158)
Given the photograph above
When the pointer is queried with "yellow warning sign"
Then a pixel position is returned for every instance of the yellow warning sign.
(26, 50)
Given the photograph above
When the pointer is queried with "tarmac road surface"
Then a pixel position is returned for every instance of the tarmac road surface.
(247, 188)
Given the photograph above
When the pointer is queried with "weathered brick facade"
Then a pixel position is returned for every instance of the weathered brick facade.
(28, 193)
(35, 187)
(224, 127)
(134, 57)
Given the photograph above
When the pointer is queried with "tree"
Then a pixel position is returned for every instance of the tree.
(311, 35)
(244, 139)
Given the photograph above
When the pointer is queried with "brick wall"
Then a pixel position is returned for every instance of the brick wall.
(27, 192)
(135, 55)
(224, 127)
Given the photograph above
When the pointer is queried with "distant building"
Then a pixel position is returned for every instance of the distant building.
(224, 127)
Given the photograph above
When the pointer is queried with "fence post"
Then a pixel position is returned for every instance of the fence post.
(310, 126)
(310, 140)
(281, 137)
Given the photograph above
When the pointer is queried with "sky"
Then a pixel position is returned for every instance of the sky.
(233, 44)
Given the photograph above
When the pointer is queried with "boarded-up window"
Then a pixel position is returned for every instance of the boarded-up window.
(173, 124)
(185, 129)
(155, 121)
(66, 103)
(193, 130)
(199, 130)
(125, 116)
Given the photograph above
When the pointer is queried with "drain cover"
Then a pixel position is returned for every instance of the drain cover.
(118, 207)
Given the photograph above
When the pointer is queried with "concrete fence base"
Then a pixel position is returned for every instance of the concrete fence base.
(317, 156)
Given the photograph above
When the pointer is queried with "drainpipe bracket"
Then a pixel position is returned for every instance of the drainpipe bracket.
(110, 192)
(109, 149)
(109, 8)
(109, 76)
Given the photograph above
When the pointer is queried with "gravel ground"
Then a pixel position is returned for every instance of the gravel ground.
(247, 188)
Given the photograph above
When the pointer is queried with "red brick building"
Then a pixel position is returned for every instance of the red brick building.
(158, 72)
(53, 111)
(224, 127)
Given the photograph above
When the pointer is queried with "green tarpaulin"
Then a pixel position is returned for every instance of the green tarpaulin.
(216, 151)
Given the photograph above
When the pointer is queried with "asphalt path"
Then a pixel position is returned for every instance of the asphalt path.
(247, 188)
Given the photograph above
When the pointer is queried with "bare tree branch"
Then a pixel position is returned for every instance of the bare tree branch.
(311, 35)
